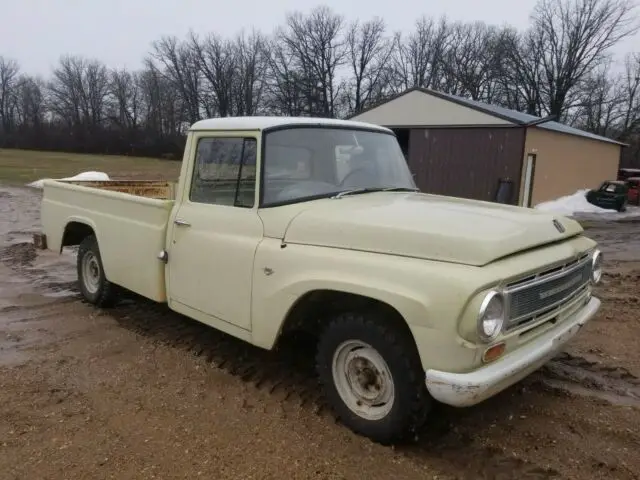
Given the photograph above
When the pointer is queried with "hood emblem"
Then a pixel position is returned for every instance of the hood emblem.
(558, 226)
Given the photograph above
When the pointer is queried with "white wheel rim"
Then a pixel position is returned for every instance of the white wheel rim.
(363, 380)
(91, 272)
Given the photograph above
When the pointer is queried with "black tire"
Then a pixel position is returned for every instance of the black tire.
(412, 401)
(99, 292)
(622, 207)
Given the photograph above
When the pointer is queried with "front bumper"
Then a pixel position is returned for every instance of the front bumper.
(466, 389)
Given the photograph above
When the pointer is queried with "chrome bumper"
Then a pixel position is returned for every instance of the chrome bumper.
(466, 389)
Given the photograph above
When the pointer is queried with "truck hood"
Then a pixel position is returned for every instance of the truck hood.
(426, 226)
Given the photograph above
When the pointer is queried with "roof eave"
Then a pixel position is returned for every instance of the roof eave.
(486, 111)
(595, 138)
(441, 96)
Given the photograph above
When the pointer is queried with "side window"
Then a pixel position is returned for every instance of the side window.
(225, 172)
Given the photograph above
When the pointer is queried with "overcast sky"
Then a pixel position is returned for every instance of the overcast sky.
(120, 32)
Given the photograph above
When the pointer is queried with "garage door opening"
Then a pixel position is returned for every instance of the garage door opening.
(403, 139)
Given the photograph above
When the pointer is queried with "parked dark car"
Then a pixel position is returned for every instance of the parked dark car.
(612, 194)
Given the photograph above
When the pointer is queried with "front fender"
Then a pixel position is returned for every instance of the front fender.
(430, 296)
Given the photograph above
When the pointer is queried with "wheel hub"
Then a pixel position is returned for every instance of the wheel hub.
(368, 381)
(91, 272)
(363, 380)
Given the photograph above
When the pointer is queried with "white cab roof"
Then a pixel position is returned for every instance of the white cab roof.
(261, 123)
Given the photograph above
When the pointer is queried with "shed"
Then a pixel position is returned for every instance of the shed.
(464, 148)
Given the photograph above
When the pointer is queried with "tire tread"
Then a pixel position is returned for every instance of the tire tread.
(107, 293)
(402, 348)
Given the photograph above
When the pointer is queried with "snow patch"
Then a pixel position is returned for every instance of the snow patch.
(84, 176)
(570, 204)
(576, 204)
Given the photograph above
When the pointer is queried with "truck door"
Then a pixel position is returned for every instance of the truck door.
(215, 230)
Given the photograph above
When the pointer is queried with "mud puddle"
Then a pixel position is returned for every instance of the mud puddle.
(619, 239)
(579, 376)
(29, 281)
(47, 273)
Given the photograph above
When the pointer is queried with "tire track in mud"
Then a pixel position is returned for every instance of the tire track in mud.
(580, 376)
(577, 375)
(448, 450)
(288, 374)
(20, 257)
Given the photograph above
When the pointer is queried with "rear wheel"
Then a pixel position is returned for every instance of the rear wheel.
(94, 286)
(372, 378)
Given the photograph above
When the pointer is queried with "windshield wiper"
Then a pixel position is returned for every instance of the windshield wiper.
(400, 189)
(371, 189)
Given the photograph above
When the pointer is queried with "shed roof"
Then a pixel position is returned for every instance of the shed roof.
(267, 122)
(502, 113)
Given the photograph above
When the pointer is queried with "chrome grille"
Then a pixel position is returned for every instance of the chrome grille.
(541, 294)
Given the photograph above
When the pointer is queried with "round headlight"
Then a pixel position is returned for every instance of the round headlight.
(491, 316)
(596, 267)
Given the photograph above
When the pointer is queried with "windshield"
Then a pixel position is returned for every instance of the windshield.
(302, 163)
(612, 187)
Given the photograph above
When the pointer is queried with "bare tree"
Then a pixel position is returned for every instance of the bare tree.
(179, 64)
(520, 74)
(575, 37)
(417, 60)
(630, 124)
(470, 60)
(369, 52)
(286, 88)
(234, 72)
(161, 103)
(252, 64)
(315, 48)
(8, 76)
(599, 104)
(30, 102)
(78, 91)
(216, 60)
(126, 99)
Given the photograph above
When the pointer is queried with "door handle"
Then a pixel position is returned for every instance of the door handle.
(181, 223)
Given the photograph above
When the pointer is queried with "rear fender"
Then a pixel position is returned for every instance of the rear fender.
(68, 239)
(58, 234)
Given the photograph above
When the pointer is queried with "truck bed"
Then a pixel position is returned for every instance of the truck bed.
(129, 219)
(162, 190)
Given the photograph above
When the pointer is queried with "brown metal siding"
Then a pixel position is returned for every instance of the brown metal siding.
(466, 162)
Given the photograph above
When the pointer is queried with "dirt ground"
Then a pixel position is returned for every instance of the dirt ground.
(140, 392)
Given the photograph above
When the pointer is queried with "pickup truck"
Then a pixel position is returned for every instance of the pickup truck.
(612, 194)
(278, 225)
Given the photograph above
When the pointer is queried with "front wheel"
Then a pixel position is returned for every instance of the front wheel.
(94, 286)
(372, 378)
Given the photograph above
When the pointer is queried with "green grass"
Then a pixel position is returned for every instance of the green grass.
(18, 167)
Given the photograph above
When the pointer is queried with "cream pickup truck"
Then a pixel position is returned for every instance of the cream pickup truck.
(281, 224)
